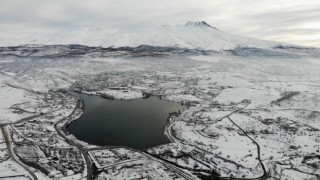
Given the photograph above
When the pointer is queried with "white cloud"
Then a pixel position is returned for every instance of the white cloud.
(272, 19)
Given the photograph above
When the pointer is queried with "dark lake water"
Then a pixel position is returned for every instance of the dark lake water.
(135, 123)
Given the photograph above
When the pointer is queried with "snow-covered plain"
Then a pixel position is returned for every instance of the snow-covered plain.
(248, 114)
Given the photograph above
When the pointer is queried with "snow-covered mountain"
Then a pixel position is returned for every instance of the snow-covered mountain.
(200, 35)
(192, 35)
(91, 36)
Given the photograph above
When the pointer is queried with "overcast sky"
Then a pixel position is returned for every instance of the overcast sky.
(292, 21)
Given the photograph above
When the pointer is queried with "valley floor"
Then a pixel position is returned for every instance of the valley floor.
(245, 117)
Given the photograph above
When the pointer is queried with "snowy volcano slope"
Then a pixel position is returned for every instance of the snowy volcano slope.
(200, 35)
(192, 35)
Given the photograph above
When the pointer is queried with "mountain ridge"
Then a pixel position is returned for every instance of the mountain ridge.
(192, 35)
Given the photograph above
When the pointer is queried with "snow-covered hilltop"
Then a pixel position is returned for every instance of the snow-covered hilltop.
(192, 35)
(200, 24)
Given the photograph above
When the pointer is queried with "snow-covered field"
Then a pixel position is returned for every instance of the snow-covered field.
(221, 97)
(249, 113)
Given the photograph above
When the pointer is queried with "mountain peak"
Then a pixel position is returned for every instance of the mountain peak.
(199, 24)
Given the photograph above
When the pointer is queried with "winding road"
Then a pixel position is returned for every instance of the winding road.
(8, 143)
(258, 149)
